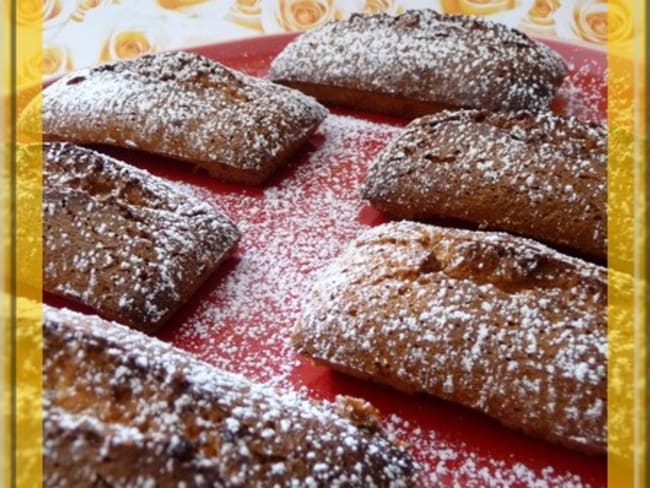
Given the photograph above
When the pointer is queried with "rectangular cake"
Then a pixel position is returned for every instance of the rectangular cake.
(420, 62)
(185, 106)
(497, 323)
(124, 409)
(538, 175)
(122, 241)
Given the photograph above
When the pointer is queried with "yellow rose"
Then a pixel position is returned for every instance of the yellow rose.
(376, 6)
(620, 21)
(542, 11)
(591, 17)
(33, 11)
(246, 13)
(297, 15)
(52, 61)
(30, 71)
(477, 7)
(540, 18)
(179, 4)
(127, 44)
(50, 12)
(84, 6)
(56, 61)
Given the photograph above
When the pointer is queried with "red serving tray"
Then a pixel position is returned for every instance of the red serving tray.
(241, 319)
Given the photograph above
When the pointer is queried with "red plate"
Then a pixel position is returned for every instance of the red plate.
(241, 320)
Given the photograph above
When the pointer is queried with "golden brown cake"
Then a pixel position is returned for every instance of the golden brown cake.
(420, 62)
(122, 241)
(124, 409)
(537, 175)
(497, 323)
(185, 106)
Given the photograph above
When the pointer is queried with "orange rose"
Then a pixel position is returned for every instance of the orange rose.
(542, 11)
(376, 6)
(597, 20)
(203, 9)
(297, 15)
(540, 18)
(84, 6)
(179, 4)
(246, 13)
(477, 7)
(300, 15)
(50, 12)
(51, 62)
(127, 44)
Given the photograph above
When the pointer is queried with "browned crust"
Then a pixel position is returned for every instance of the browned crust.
(536, 175)
(407, 212)
(422, 55)
(127, 409)
(365, 101)
(51, 284)
(497, 323)
(183, 106)
(231, 174)
(123, 242)
(111, 454)
(511, 423)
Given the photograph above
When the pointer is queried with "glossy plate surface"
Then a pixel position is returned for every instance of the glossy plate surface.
(241, 319)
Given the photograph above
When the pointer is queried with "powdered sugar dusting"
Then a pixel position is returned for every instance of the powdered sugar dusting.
(259, 299)
(537, 175)
(263, 331)
(160, 414)
(185, 106)
(123, 241)
(456, 464)
(245, 324)
(583, 93)
(423, 55)
(404, 305)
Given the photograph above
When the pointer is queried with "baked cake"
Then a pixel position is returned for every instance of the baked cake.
(122, 241)
(497, 323)
(125, 409)
(187, 107)
(538, 175)
(419, 63)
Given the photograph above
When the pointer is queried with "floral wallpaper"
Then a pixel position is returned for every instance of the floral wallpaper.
(79, 33)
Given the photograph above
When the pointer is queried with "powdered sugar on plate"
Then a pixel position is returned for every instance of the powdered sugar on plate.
(243, 319)
(583, 93)
(291, 230)
(288, 231)
(457, 465)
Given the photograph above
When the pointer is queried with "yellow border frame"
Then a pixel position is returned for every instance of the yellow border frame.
(5, 444)
(627, 255)
(20, 334)
(21, 253)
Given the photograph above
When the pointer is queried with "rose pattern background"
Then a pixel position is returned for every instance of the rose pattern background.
(80, 33)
